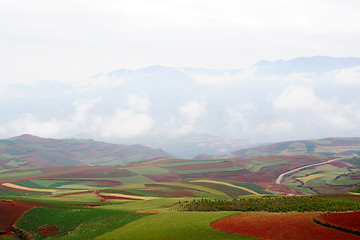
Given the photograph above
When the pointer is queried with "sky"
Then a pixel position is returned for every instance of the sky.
(70, 40)
(58, 60)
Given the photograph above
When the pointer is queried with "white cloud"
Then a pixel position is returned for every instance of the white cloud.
(81, 38)
(120, 123)
(124, 123)
(192, 111)
(44, 128)
(296, 98)
(139, 104)
(82, 108)
(349, 75)
(274, 127)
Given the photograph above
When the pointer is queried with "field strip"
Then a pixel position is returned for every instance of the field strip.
(127, 196)
(11, 185)
(228, 184)
(308, 178)
(278, 180)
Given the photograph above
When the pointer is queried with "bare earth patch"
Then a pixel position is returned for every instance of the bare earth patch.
(280, 226)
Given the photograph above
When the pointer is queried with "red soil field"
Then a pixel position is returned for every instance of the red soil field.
(34, 161)
(64, 168)
(10, 211)
(175, 193)
(174, 188)
(49, 230)
(104, 198)
(348, 220)
(203, 166)
(340, 164)
(166, 177)
(280, 226)
(216, 175)
(278, 188)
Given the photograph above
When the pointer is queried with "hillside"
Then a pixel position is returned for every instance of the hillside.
(31, 151)
(319, 147)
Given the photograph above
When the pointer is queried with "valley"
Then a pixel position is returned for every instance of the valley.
(145, 194)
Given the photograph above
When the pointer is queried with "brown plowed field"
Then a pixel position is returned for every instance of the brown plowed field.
(280, 226)
(278, 188)
(349, 220)
(166, 177)
(203, 166)
(10, 211)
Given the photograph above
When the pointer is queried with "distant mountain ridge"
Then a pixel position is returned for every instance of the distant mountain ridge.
(318, 147)
(31, 151)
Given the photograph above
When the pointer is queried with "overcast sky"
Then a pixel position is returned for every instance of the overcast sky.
(70, 40)
(51, 49)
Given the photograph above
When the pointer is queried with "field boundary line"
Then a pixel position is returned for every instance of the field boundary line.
(227, 184)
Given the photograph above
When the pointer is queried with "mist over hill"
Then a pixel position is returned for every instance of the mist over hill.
(301, 98)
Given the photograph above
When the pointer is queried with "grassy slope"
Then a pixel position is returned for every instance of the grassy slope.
(173, 226)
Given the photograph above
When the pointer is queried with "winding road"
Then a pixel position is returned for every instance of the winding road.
(278, 180)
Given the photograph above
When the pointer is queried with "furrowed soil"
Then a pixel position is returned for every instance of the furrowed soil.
(348, 221)
(10, 211)
(280, 226)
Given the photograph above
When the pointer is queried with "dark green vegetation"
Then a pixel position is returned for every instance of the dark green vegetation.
(269, 204)
(43, 222)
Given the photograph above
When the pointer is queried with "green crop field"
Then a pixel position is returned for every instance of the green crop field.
(174, 226)
(65, 221)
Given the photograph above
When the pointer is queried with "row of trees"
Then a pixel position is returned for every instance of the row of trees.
(269, 204)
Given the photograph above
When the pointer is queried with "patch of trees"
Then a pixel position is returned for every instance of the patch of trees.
(269, 204)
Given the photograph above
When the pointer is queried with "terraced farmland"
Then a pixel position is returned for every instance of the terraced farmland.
(141, 200)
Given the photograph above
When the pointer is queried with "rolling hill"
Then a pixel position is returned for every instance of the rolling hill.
(318, 147)
(31, 151)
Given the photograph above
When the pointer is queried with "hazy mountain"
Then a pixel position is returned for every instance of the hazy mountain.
(301, 98)
(192, 144)
(318, 147)
(315, 65)
(31, 151)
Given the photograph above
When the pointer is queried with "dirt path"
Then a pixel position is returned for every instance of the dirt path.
(278, 180)
(227, 184)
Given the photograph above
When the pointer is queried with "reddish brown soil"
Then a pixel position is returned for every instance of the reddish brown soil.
(348, 220)
(34, 161)
(10, 211)
(278, 188)
(49, 230)
(250, 177)
(175, 193)
(87, 205)
(340, 164)
(114, 197)
(216, 175)
(203, 166)
(280, 226)
(166, 177)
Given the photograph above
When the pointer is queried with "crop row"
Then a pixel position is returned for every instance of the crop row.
(269, 204)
